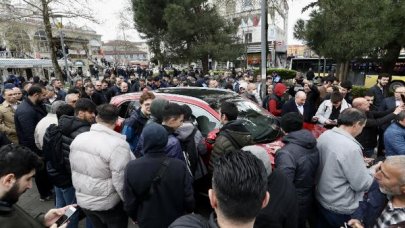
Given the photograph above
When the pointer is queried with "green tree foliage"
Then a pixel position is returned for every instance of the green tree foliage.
(348, 29)
(186, 30)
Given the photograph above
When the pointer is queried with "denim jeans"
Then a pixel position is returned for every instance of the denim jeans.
(330, 219)
(64, 197)
(112, 218)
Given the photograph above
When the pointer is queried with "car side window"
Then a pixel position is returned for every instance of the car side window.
(126, 108)
(205, 121)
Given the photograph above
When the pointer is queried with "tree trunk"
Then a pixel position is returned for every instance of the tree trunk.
(390, 57)
(204, 62)
(342, 69)
(51, 42)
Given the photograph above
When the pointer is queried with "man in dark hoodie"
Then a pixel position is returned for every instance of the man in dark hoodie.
(71, 126)
(232, 136)
(157, 189)
(299, 160)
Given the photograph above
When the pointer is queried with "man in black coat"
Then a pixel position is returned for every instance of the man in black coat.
(380, 90)
(26, 118)
(368, 137)
(157, 189)
(298, 105)
(299, 160)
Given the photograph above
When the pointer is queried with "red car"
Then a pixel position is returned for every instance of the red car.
(204, 103)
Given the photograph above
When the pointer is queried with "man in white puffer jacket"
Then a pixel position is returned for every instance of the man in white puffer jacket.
(98, 159)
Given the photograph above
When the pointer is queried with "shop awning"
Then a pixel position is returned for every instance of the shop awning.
(29, 63)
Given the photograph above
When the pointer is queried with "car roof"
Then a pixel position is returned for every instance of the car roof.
(199, 92)
(117, 100)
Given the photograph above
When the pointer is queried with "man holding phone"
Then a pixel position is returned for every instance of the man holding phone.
(17, 168)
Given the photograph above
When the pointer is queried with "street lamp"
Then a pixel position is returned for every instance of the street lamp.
(59, 25)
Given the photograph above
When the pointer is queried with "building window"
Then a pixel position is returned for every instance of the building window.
(248, 38)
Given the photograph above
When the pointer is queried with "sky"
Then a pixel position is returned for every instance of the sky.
(108, 11)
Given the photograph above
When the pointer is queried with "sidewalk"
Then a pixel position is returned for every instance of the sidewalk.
(29, 201)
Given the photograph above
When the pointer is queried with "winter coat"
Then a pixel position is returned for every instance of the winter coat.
(133, 127)
(71, 127)
(13, 216)
(98, 159)
(325, 110)
(394, 139)
(275, 101)
(7, 124)
(299, 160)
(26, 119)
(379, 95)
(368, 137)
(171, 197)
(195, 221)
(233, 135)
(371, 207)
(182, 133)
(282, 209)
(41, 127)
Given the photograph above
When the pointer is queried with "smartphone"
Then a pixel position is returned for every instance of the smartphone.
(68, 214)
(403, 98)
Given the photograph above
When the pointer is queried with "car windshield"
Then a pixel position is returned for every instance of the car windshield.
(263, 127)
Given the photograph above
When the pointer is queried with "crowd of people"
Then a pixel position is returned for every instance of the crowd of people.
(152, 169)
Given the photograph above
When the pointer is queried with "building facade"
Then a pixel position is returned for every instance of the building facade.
(26, 38)
(248, 13)
(123, 52)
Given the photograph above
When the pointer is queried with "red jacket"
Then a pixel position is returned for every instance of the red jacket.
(275, 103)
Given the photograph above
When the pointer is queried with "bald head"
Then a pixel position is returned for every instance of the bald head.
(361, 104)
(300, 98)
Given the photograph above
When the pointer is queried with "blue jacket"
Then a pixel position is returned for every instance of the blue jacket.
(172, 149)
(371, 207)
(133, 127)
(394, 139)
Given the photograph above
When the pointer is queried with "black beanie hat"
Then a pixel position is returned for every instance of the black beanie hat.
(291, 121)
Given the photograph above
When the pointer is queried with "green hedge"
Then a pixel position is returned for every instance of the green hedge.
(284, 73)
(359, 91)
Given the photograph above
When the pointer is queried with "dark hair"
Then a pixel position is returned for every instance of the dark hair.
(145, 96)
(336, 97)
(73, 90)
(369, 93)
(89, 86)
(188, 113)
(240, 184)
(384, 75)
(19, 160)
(108, 113)
(65, 109)
(328, 79)
(346, 84)
(85, 105)
(291, 121)
(34, 89)
(171, 110)
(350, 116)
(229, 110)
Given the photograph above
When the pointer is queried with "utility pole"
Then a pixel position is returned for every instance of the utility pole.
(59, 25)
(263, 46)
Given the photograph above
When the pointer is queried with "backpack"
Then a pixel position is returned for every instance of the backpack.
(190, 152)
(52, 147)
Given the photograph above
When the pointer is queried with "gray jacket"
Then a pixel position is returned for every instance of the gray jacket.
(342, 175)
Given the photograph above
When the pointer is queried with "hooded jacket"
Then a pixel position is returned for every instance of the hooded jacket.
(182, 133)
(71, 127)
(172, 195)
(299, 160)
(133, 127)
(275, 101)
(233, 135)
